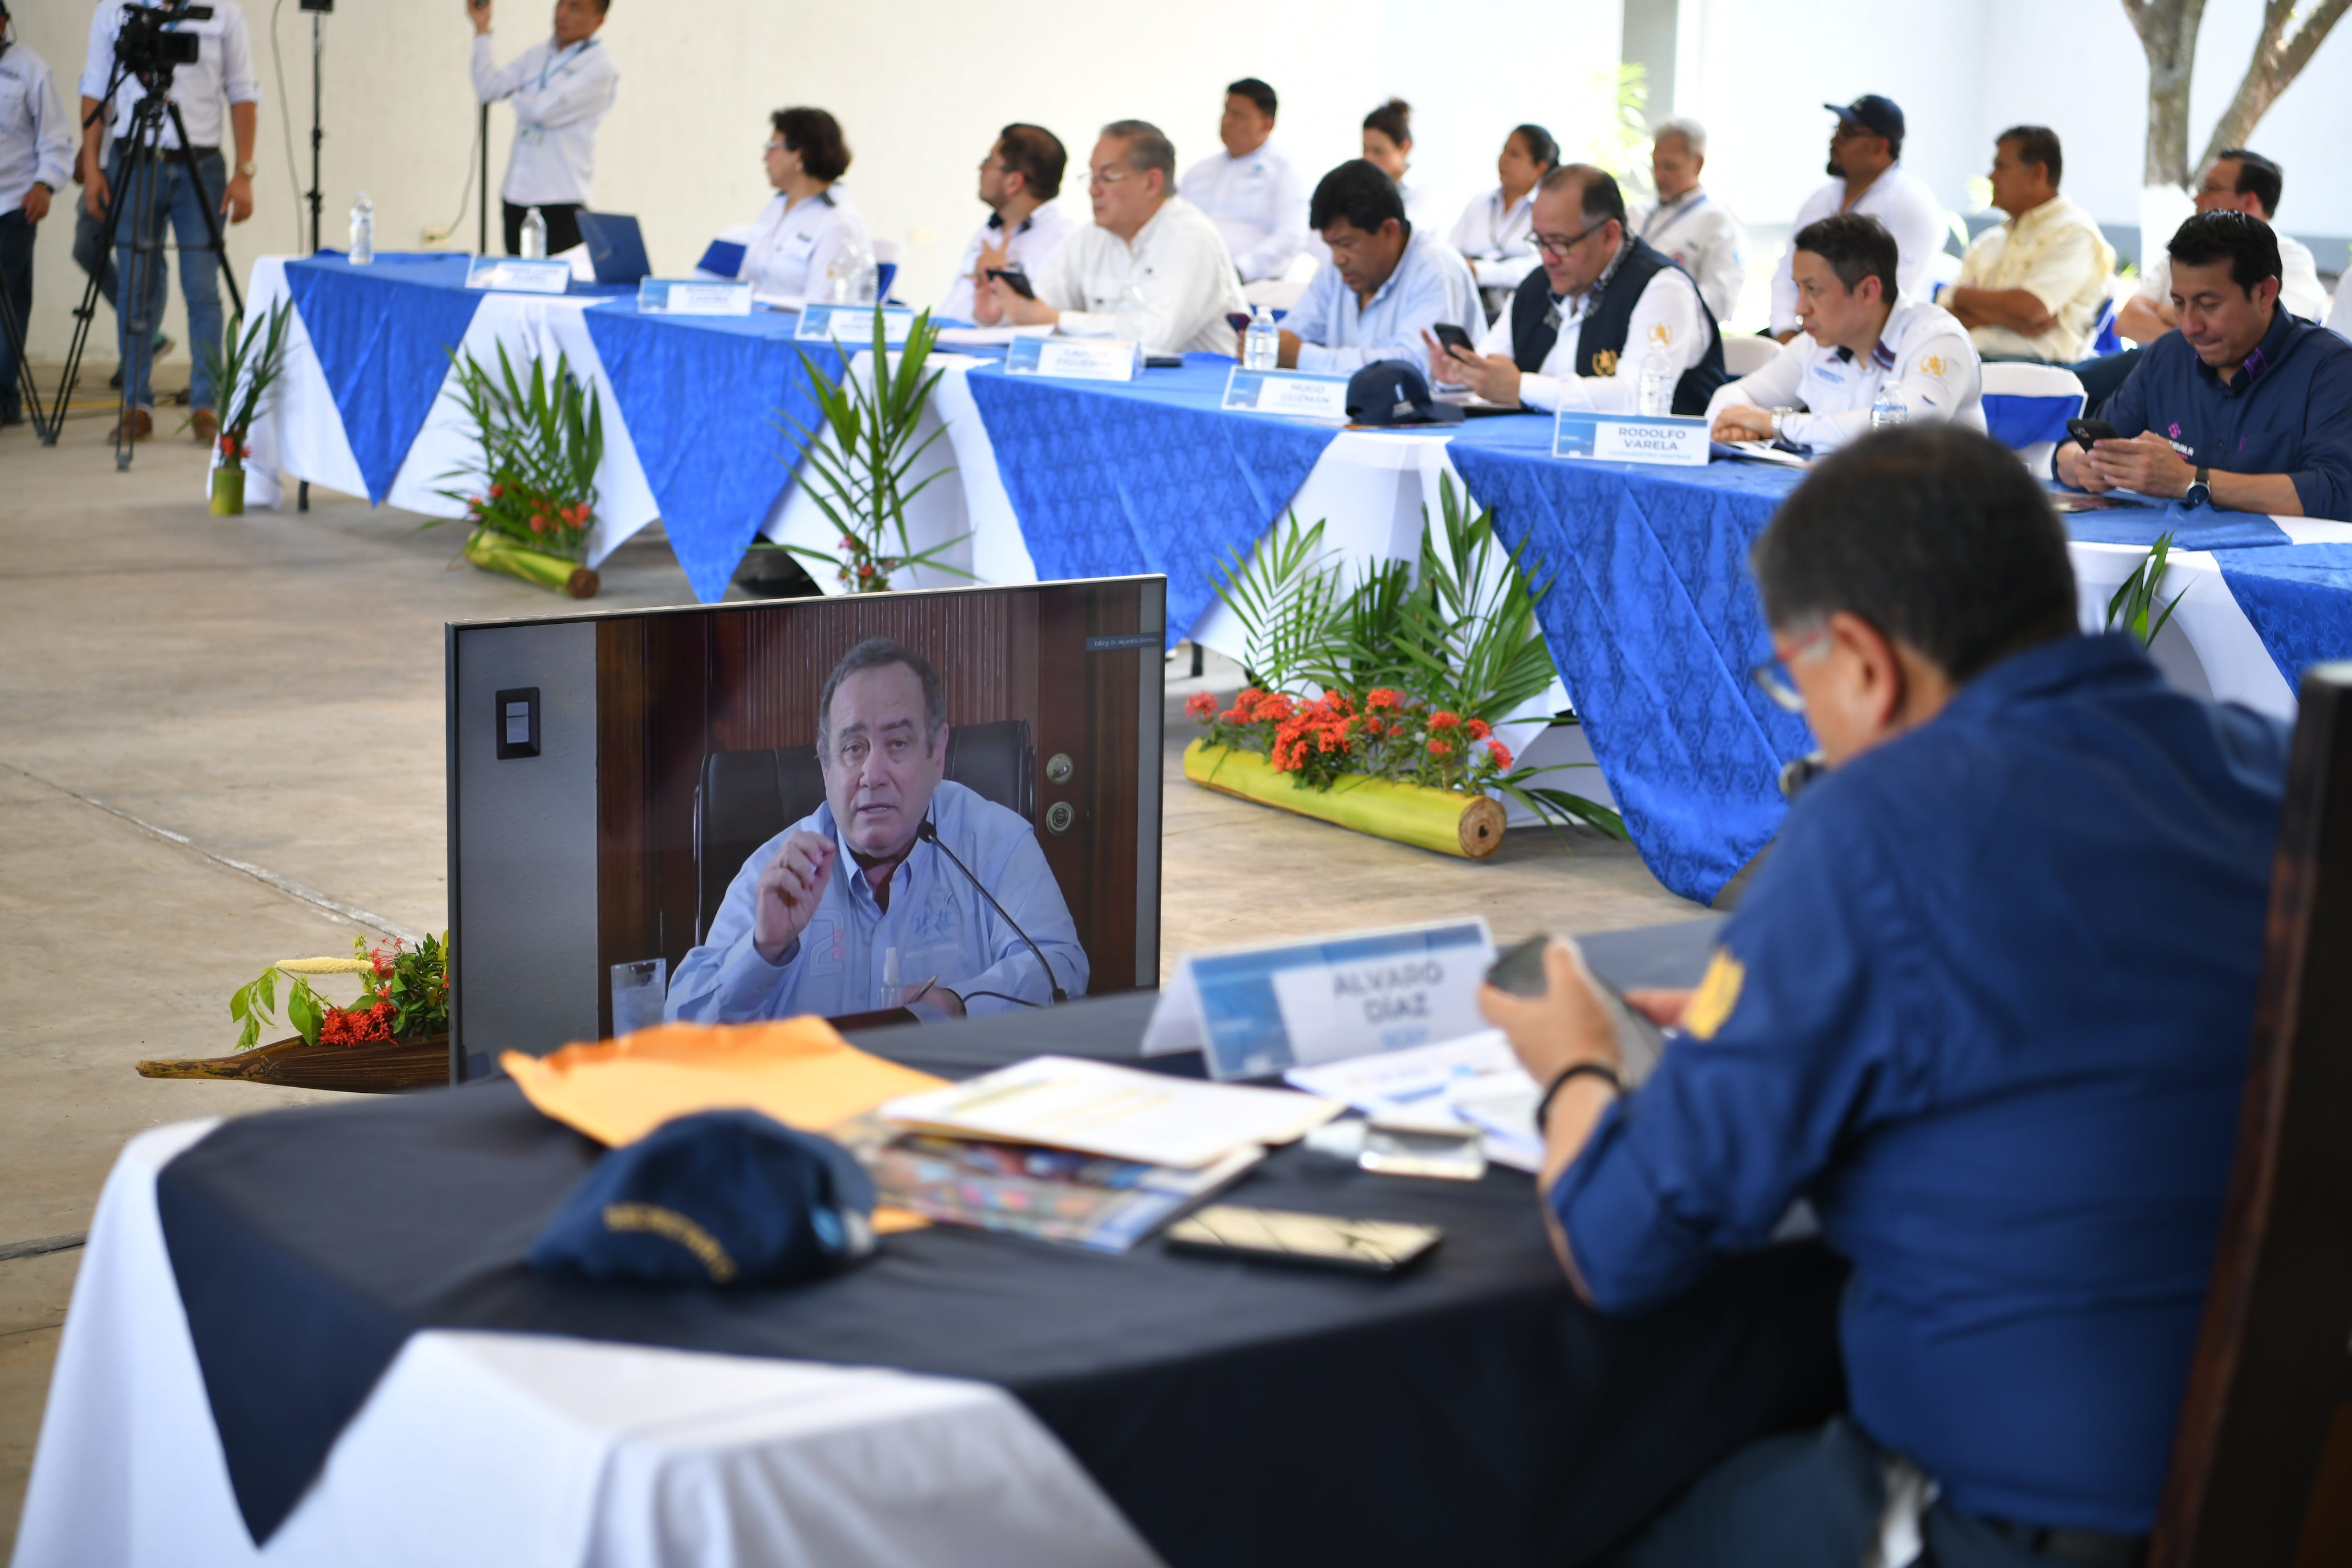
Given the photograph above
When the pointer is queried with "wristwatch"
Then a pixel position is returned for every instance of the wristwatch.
(1780, 418)
(2199, 491)
(248, 169)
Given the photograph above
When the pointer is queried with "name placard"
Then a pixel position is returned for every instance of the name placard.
(1631, 437)
(514, 275)
(1256, 1011)
(852, 325)
(691, 297)
(1074, 359)
(1296, 392)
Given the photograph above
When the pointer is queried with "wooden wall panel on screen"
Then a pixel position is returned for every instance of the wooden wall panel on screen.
(625, 896)
(1085, 705)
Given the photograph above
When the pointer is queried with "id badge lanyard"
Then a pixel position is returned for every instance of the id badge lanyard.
(549, 70)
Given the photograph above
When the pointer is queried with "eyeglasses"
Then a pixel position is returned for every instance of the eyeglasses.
(1108, 176)
(1773, 676)
(775, 146)
(1553, 245)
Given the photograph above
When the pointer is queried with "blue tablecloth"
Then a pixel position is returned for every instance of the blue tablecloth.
(1112, 478)
(710, 402)
(2297, 597)
(383, 334)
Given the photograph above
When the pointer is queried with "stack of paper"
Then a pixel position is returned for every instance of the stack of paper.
(1470, 1082)
(1065, 1102)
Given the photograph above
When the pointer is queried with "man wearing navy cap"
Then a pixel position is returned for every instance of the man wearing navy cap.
(1868, 177)
(1987, 1006)
(812, 921)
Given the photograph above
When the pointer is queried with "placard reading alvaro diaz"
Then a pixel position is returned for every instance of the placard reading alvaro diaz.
(1383, 1004)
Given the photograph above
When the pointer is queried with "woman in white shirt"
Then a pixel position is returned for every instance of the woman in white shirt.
(1388, 143)
(1495, 233)
(810, 223)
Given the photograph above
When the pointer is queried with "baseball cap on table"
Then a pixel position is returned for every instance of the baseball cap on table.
(718, 1197)
(1872, 112)
(1393, 392)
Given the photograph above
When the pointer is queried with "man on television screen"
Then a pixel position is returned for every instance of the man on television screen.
(855, 908)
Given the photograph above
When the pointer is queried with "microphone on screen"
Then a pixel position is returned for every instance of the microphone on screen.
(930, 833)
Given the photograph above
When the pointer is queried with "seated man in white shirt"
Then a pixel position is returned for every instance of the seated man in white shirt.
(1387, 284)
(1702, 235)
(1021, 183)
(809, 225)
(1152, 268)
(1859, 333)
(1252, 191)
(2237, 181)
(1582, 328)
(1868, 177)
(2032, 288)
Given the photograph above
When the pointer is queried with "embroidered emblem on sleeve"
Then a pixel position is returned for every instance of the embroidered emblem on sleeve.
(1604, 362)
(1716, 995)
(1662, 334)
(1933, 366)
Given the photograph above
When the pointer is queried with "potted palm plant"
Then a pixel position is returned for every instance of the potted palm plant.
(542, 440)
(243, 370)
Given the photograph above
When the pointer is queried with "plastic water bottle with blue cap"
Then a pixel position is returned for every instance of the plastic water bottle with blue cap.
(1657, 394)
(1262, 344)
(363, 231)
(1890, 410)
(534, 235)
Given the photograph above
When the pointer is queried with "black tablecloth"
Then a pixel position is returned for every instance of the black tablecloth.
(1236, 1412)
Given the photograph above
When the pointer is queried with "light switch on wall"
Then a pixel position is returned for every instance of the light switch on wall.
(517, 718)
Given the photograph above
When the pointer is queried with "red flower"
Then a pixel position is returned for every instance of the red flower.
(1442, 719)
(1501, 753)
(538, 525)
(1440, 749)
(1200, 706)
(498, 490)
(1382, 696)
(1479, 729)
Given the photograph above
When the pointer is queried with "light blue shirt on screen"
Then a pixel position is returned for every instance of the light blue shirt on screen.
(938, 921)
(1431, 284)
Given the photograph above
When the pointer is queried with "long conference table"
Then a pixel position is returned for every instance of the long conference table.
(1650, 619)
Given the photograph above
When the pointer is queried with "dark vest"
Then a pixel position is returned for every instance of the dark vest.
(1600, 338)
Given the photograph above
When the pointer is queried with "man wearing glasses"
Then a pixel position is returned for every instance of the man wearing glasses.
(1152, 268)
(1601, 309)
(1987, 1006)
(1867, 176)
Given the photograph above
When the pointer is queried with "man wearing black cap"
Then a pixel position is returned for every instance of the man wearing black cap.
(1868, 177)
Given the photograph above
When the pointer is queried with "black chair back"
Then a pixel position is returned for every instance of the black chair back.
(745, 798)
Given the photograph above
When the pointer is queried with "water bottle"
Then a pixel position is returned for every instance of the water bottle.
(363, 231)
(1890, 410)
(1261, 344)
(854, 278)
(534, 235)
(892, 990)
(1657, 394)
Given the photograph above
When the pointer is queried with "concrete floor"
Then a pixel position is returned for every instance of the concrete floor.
(221, 744)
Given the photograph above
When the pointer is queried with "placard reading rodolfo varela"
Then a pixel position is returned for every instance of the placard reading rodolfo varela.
(1263, 1010)
(1631, 437)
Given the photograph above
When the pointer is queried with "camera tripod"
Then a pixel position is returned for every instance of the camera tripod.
(138, 179)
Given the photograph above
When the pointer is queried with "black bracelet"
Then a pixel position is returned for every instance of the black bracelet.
(1575, 1070)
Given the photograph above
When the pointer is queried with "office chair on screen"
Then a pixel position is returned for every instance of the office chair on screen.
(745, 798)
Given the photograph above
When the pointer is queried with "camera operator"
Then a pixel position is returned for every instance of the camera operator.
(34, 150)
(221, 73)
(561, 88)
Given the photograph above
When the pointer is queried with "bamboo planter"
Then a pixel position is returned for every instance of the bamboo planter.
(496, 552)
(228, 492)
(379, 1068)
(1469, 825)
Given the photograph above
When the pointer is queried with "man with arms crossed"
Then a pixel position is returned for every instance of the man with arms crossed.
(1987, 1006)
(809, 923)
(2245, 406)
(1252, 191)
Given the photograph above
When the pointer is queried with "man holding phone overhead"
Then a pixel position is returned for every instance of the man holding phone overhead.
(1960, 1013)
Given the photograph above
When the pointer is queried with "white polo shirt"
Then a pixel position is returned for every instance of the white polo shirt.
(793, 245)
(1498, 239)
(1899, 199)
(1924, 349)
(2299, 290)
(223, 74)
(560, 97)
(1705, 238)
(1170, 291)
(1257, 201)
(1667, 314)
(1034, 242)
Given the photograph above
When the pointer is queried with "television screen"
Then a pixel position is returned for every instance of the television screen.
(634, 786)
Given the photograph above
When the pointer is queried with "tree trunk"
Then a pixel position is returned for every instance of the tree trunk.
(2168, 36)
(2279, 58)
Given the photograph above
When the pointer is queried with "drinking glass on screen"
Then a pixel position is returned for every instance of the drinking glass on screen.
(638, 988)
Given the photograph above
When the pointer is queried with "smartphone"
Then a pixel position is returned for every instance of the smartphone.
(1311, 1240)
(1519, 971)
(1163, 362)
(1454, 337)
(1239, 320)
(1016, 281)
(2086, 431)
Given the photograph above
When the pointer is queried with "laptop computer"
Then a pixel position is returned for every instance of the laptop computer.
(617, 249)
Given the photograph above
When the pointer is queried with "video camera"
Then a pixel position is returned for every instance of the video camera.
(144, 48)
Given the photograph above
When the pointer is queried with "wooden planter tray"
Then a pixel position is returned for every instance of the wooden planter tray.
(1470, 826)
(354, 1069)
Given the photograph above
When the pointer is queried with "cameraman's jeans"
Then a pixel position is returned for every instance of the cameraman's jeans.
(17, 272)
(176, 201)
(91, 253)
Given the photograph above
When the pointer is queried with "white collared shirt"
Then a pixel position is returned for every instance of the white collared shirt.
(1706, 239)
(792, 246)
(559, 96)
(2340, 317)
(1899, 199)
(1257, 202)
(222, 73)
(2055, 253)
(1171, 289)
(1667, 314)
(1431, 284)
(2299, 290)
(1498, 239)
(1924, 349)
(1034, 240)
(33, 141)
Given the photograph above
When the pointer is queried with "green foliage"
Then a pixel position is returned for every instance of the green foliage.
(242, 370)
(1618, 148)
(859, 479)
(253, 1002)
(2135, 596)
(417, 987)
(541, 441)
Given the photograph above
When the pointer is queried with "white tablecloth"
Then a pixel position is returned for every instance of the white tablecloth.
(511, 1449)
